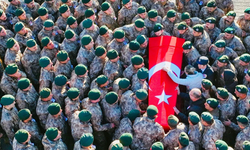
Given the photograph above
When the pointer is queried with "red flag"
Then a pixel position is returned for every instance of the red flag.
(164, 51)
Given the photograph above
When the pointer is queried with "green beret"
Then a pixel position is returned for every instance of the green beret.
(86, 39)
(134, 45)
(45, 41)
(89, 12)
(207, 84)
(19, 12)
(112, 54)
(54, 108)
(1, 12)
(99, 51)
(245, 57)
(212, 102)
(85, 115)
(223, 59)
(86, 139)
(10, 42)
(231, 13)
(230, 30)
(184, 139)
(141, 39)
(124, 83)
(222, 92)
(242, 119)
(242, 89)
(18, 26)
(194, 117)
(220, 43)
(21, 135)
(187, 45)
(172, 120)
(45, 92)
(103, 30)
(126, 139)
(27, 1)
(119, 34)
(206, 116)
(111, 98)
(80, 69)
(211, 3)
(87, 23)
(141, 94)
(10, 0)
(152, 111)
(171, 13)
(158, 27)
(94, 94)
(48, 23)
(44, 61)
(71, 20)
(247, 10)
(60, 80)
(198, 28)
(11, 69)
(63, 8)
(185, 16)
(157, 146)
(142, 73)
(64, 1)
(137, 60)
(105, 6)
(182, 26)
(101, 79)
(62, 55)
(139, 23)
(117, 146)
(24, 114)
(51, 133)
(211, 20)
(23, 83)
(221, 145)
(1, 27)
(31, 43)
(141, 10)
(42, 11)
(85, 1)
(133, 114)
(124, 2)
(69, 34)
(73, 93)
(7, 99)
(246, 145)
(152, 13)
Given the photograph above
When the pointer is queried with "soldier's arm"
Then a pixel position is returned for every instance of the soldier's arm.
(20, 101)
(29, 72)
(7, 88)
(98, 127)
(121, 18)
(235, 127)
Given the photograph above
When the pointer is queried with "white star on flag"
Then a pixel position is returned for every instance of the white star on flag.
(163, 97)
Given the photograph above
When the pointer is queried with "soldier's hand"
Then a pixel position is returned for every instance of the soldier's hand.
(227, 123)
(112, 125)
(176, 110)
(243, 33)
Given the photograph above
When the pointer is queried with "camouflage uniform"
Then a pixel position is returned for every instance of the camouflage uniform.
(51, 53)
(104, 41)
(125, 126)
(46, 79)
(78, 146)
(71, 106)
(150, 24)
(194, 21)
(117, 45)
(11, 9)
(241, 70)
(27, 146)
(64, 69)
(202, 43)
(170, 139)
(138, 84)
(223, 26)
(22, 39)
(108, 20)
(152, 34)
(81, 8)
(212, 133)
(244, 25)
(147, 4)
(42, 111)
(93, 33)
(217, 13)
(131, 33)
(3, 40)
(81, 83)
(162, 9)
(192, 56)
(103, 90)
(241, 137)
(128, 102)
(228, 51)
(52, 8)
(129, 72)
(28, 22)
(59, 93)
(49, 145)
(32, 11)
(188, 35)
(213, 33)
(96, 66)
(191, 7)
(61, 23)
(57, 37)
(7, 24)
(242, 106)
(78, 127)
(225, 5)
(138, 17)
(126, 55)
(38, 24)
(125, 15)
(77, 30)
(146, 132)
(227, 108)
(13, 56)
(168, 25)
(195, 134)
(116, 5)
(27, 99)
(85, 56)
(112, 70)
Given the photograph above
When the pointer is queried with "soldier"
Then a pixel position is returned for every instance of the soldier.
(116, 5)
(45, 99)
(211, 106)
(153, 132)
(128, 52)
(90, 14)
(21, 16)
(163, 7)
(105, 37)
(213, 130)
(190, 53)
(147, 4)
(121, 86)
(80, 80)
(127, 12)
(28, 123)
(5, 20)
(189, 6)
(244, 23)
(191, 21)
(31, 8)
(139, 80)
(137, 62)
(152, 19)
(80, 124)
(10, 79)
(141, 14)
(89, 29)
(59, 89)
(242, 103)
(184, 142)
(73, 25)
(50, 48)
(102, 84)
(107, 16)
(52, 6)
(83, 6)
(63, 65)
(143, 41)
(52, 139)
(118, 42)
(170, 20)
(182, 30)
(125, 139)
(47, 73)
(22, 141)
(61, 22)
(85, 142)
(13, 6)
(241, 64)
(158, 31)
(26, 96)
(9, 119)
(228, 21)
(4, 36)
(211, 29)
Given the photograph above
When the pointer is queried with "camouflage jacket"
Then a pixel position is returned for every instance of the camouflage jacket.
(42, 111)
(125, 15)
(71, 106)
(228, 51)
(241, 70)
(192, 56)
(168, 25)
(104, 41)
(64, 69)
(28, 21)
(244, 24)
(188, 35)
(51, 53)
(126, 55)
(53, 145)
(241, 137)
(223, 25)
(163, 8)
(131, 33)
(217, 13)
(108, 20)
(128, 102)
(93, 33)
(112, 113)
(225, 5)
(57, 37)
(38, 24)
(85, 56)
(59, 122)
(81, 83)
(227, 108)
(59, 93)
(3, 40)
(12, 56)
(18, 146)
(138, 84)
(150, 24)
(195, 134)
(213, 33)
(52, 8)
(112, 70)
(103, 90)
(242, 106)
(191, 7)
(125, 126)
(61, 23)
(46, 79)
(96, 66)
(32, 11)
(117, 45)
(129, 72)
(202, 43)
(81, 8)
(116, 5)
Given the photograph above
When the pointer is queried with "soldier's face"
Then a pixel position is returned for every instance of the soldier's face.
(228, 36)
(27, 89)
(153, 19)
(15, 2)
(22, 31)
(66, 14)
(172, 19)
(144, 45)
(3, 17)
(120, 40)
(128, 5)
(219, 64)
(115, 60)
(103, 56)
(188, 21)
(139, 66)
(23, 16)
(109, 11)
(207, 106)
(211, 9)
(186, 51)
(91, 28)
(247, 16)
(45, 17)
(182, 31)
(159, 33)
(139, 29)
(204, 123)
(142, 15)
(73, 38)
(89, 4)
(49, 67)
(15, 47)
(93, 17)
(31, 4)
(237, 93)
(3, 32)
(74, 25)
(209, 25)
(219, 49)
(196, 33)
(229, 19)
(242, 63)
(50, 45)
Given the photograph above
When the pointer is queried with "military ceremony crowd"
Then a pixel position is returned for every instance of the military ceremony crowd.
(74, 75)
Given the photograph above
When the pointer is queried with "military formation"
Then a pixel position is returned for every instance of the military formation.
(74, 75)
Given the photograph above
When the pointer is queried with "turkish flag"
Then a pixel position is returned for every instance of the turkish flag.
(164, 51)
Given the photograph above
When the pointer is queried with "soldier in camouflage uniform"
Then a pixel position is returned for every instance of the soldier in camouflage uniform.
(52, 139)
(127, 12)
(141, 14)
(158, 31)
(163, 7)
(143, 41)
(89, 29)
(121, 86)
(190, 53)
(152, 19)
(45, 99)
(182, 30)
(170, 20)
(128, 52)
(5, 20)
(211, 106)
(11, 9)
(63, 65)
(61, 22)
(105, 37)
(125, 140)
(85, 142)
(22, 141)
(244, 23)
(10, 120)
(52, 6)
(118, 42)
(242, 103)
(26, 96)
(242, 65)
(84, 5)
(116, 5)
(21, 16)
(73, 25)
(137, 62)
(59, 89)
(139, 80)
(184, 143)
(147, 4)
(211, 29)
(4, 36)
(191, 21)
(47, 74)
(102, 84)
(50, 49)
(10, 78)
(189, 6)
(31, 8)
(146, 130)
